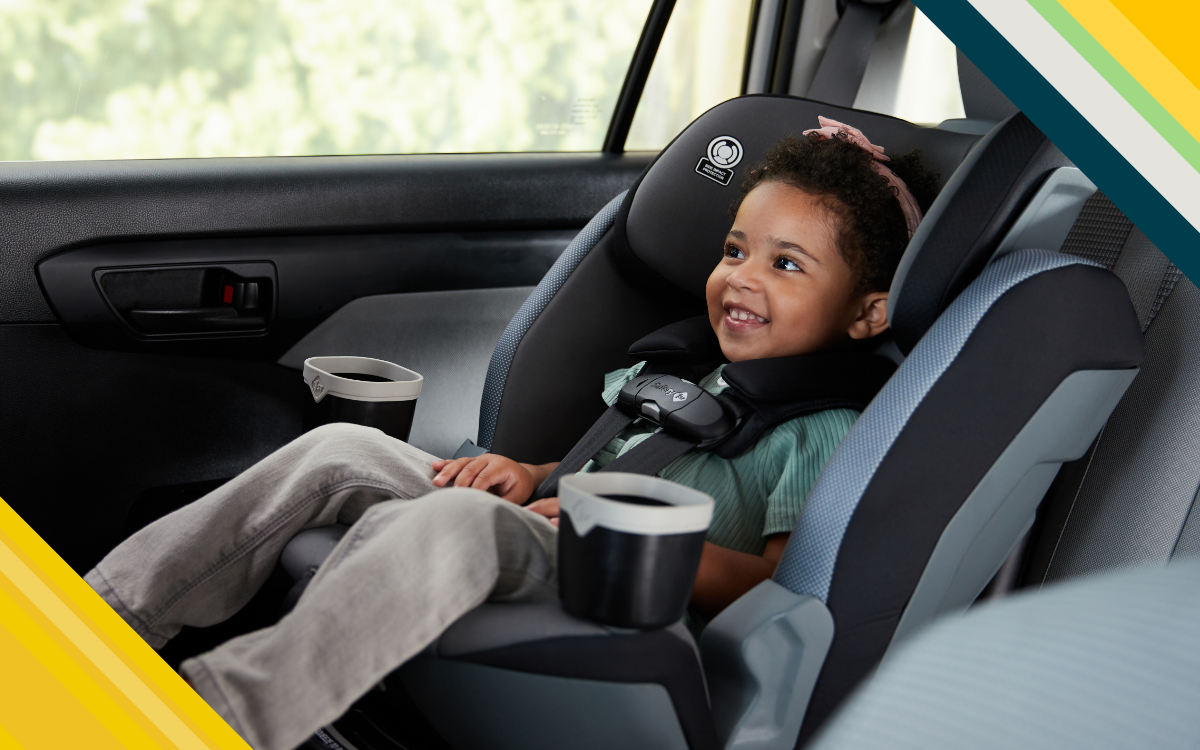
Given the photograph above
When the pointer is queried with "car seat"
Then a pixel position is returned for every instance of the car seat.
(1004, 377)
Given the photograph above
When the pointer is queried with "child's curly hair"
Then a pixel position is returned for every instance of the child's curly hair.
(873, 233)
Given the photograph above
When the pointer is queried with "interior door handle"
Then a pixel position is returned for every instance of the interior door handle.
(225, 298)
(194, 320)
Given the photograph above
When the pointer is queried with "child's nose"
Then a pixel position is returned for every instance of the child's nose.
(744, 277)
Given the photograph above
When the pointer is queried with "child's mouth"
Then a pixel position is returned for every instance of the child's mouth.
(741, 320)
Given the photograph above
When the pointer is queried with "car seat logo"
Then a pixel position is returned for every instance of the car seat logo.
(724, 153)
(680, 396)
(316, 385)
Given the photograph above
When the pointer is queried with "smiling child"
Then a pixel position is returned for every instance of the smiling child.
(817, 235)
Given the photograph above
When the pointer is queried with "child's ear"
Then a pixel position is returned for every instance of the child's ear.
(872, 316)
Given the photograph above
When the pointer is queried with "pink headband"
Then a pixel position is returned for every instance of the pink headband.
(908, 204)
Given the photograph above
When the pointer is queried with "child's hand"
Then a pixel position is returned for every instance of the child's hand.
(498, 475)
(547, 506)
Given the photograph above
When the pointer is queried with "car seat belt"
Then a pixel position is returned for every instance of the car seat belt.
(761, 394)
(840, 73)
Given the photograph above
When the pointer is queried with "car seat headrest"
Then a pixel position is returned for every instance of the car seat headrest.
(672, 224)
(966, 223)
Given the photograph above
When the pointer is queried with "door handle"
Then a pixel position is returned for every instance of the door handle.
(211, 299)
(194, 320)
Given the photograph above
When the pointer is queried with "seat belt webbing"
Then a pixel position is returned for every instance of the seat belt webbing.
(653, 455)
(845, 61)
(607, 427)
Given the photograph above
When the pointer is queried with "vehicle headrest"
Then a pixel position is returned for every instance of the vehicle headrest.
(966, 223)
(673, 222)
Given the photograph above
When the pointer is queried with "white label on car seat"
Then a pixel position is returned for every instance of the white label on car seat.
(724, 153)
(682, 396)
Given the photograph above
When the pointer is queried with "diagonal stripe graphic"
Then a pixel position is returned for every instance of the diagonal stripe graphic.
(98, 653)
(59, 604)
(1048, 86)
(1138, 55)
(116, 729)
(1122, 81)
(1093, 98)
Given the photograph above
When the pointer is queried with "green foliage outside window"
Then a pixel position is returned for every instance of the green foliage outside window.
(105, 79)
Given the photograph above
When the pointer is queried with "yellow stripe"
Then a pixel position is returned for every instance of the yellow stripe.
(7, 741)
(100, 634)
(1171, 27)
(1140, 58)
(71, 718)
(91, 670)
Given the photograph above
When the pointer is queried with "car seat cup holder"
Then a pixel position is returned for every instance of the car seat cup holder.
(629, 547)
(361, 390)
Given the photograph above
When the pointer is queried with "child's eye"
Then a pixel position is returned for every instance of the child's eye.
(787, 264)
(733, 251)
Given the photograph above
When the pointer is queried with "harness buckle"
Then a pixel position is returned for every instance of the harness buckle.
(681, 407)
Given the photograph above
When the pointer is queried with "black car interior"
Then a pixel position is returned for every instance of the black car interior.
(154, 316)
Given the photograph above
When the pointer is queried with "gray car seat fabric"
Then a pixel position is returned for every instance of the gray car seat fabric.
(925, 497)
(395, 327)
(1131, 499)
(531, 308)
(1107, 662)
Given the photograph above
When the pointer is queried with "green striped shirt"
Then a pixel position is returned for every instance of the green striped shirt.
(757, 493)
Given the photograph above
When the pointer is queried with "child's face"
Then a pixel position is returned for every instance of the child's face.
(783, 287)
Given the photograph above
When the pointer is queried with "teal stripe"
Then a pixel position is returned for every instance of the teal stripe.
(1120, 79)
(1069, 130)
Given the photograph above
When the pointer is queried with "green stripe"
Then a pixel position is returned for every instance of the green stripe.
(1120, 79)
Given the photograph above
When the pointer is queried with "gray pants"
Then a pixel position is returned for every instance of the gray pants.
(415, 560)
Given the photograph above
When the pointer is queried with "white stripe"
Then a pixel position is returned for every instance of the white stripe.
(1086, 90)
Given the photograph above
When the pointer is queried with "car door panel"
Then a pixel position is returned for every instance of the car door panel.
(110, 425)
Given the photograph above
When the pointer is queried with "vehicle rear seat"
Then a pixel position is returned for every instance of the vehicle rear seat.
(1130, 499)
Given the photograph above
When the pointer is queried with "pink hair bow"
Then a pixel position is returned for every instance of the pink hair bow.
(908, 204)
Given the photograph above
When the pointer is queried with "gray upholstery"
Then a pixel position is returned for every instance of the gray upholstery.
(771, 639)
(1110, 662)
(520, 323)
(446, 336)
(1131, 498)
(808, 563)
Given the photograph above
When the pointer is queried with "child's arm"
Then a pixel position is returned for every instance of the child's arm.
(512, 481)
(725, 575)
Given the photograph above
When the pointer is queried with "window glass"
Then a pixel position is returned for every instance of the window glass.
(928, 90)
(698, 66)
(105, 79)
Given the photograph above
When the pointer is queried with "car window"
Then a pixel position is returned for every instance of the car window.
(119, 79)
(926, 90)
(698, 65)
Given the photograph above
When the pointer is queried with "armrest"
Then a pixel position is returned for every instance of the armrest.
(762, 656)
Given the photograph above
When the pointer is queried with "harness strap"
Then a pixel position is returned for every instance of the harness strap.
(607, 427)
(653, 455)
